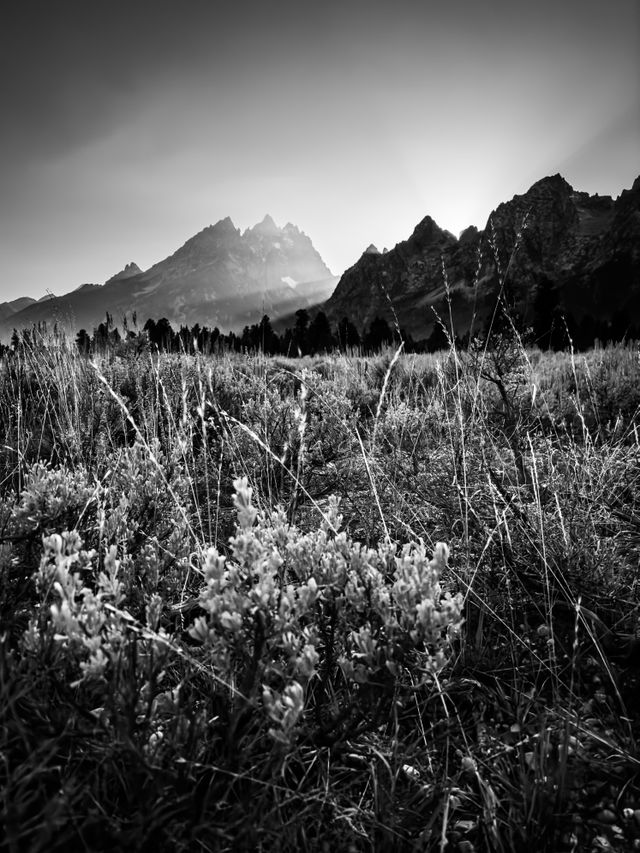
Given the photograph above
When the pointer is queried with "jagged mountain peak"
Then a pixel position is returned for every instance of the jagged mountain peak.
(209, 239)
(428, 232)
(371, 250)
(129, 270)
(266, 228)
(223, 226)
(553, 189)
(554, 182)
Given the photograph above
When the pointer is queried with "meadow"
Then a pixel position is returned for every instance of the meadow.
(383, 603)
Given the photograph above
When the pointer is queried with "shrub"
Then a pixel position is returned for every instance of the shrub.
(289, 619)
(300, 616)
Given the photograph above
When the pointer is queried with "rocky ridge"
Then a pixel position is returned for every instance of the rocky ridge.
(585, 248)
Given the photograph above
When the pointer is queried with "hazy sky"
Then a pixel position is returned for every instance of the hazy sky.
(126, 127)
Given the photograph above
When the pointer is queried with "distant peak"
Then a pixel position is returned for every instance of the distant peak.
(129, 270)
(371, 250)
(428, 231)
(266, 228)
(556, 182)
(222, 229)
(224, 226)
(427, 223)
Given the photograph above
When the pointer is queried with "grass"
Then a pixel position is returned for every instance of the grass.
(184, 666)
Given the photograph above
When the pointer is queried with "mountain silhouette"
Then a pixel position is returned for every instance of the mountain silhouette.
(584, 249)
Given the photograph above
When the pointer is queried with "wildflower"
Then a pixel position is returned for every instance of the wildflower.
(242, 501)
(306, 662)
(95, 666)
(214, 565)
(410, 771)
(231, 621)
(468, 765)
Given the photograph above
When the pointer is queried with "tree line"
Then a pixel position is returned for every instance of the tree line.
(551, 328)
(307, 336)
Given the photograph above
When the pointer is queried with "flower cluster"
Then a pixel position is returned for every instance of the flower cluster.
(289, 608)
(289, 622)
(87, 624)
(52, 497)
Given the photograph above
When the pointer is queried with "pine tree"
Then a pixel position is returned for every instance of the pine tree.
(319, 336)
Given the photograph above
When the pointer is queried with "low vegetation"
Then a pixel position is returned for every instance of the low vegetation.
(378, 603)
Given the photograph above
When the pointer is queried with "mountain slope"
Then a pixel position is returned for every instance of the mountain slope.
(9, 309)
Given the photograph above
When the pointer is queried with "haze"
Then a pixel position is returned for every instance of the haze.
(128, 127)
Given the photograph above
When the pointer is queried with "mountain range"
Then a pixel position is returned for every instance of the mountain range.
(581, 250)
(220, 277)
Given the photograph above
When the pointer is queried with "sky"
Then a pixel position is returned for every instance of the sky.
(127, 127)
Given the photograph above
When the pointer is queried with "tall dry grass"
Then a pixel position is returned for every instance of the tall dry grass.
(127, 726)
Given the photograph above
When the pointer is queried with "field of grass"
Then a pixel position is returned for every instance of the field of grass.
(340, 603)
